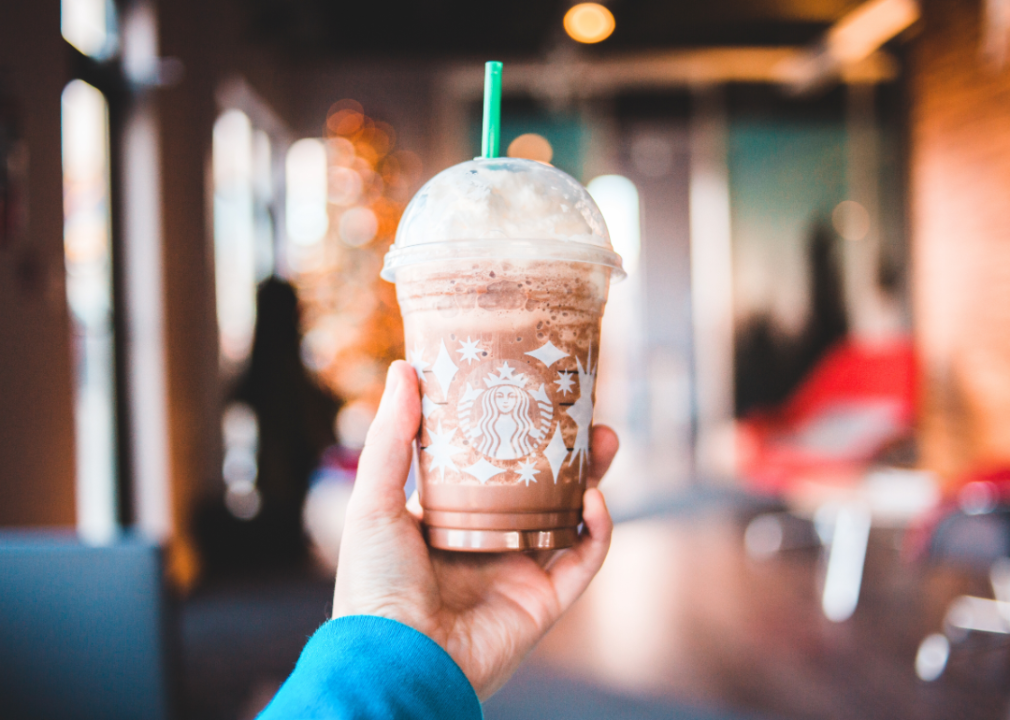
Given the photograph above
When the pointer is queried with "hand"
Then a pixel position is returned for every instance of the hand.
(486, 610)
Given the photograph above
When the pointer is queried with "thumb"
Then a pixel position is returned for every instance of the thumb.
(385, 459)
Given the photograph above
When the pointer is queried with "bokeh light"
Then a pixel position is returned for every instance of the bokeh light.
(851, 220)
(358, 226)
(589, 23)
(89, 25)
(532, 147)
(345, 186)
(240, 432)
(306, 170)
(353, 422)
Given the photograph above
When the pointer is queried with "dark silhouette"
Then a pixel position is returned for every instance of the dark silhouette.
(295, 418)
(769, 365)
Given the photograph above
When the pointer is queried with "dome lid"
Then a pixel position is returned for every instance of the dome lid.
(502, 208)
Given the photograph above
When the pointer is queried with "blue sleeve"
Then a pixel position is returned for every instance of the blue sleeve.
(365, 667)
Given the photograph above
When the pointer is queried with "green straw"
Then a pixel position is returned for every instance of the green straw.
(491, 137)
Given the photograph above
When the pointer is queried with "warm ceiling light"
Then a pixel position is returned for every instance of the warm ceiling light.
(859, 33)
(850, 41)
(589, 23)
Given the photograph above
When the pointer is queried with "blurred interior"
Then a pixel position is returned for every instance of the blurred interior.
(808, 364)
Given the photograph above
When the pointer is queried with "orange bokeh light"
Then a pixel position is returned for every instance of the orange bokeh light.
(350, 317)
(589, 23)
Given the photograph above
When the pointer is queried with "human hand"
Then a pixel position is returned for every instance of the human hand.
(486, 610)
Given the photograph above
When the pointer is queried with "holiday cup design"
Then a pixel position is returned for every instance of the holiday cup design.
(515, 409)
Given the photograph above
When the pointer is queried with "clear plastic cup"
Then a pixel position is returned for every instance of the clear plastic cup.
(502, 268)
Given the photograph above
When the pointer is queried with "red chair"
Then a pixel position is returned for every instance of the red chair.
(817, 453)
(859, 399)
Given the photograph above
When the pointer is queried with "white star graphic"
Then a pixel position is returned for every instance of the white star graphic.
(468, 350)
(441, 450)
(548, 354)
(417, 362)
(505, 373)
(527, 471)
(556, 452)
(483, 470)
(444, 369)
(565, 382)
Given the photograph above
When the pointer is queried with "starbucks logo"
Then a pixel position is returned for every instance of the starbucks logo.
(504, 420)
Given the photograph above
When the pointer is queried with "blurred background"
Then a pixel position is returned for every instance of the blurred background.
(808, 364)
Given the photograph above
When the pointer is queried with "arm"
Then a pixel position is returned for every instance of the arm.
(370, 667)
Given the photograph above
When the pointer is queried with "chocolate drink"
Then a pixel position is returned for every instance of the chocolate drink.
(506, 353)
(502, 268)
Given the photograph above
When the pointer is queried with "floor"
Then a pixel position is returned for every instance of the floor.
(680, 612)
(679, 624)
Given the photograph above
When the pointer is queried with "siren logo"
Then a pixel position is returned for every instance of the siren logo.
(504, 420)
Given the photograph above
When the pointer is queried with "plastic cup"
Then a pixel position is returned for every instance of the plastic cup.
(502, 268)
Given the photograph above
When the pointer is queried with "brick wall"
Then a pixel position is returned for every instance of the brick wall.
(960, 214)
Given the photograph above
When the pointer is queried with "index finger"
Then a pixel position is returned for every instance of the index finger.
(604, 444)
(572, 570)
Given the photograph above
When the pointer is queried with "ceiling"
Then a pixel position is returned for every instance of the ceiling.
(444, 29)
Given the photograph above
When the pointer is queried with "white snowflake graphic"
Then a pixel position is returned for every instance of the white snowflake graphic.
(526, 472)
(417, 362)
(582, 411)
(441, 450)
(565, 381)
(468, 350)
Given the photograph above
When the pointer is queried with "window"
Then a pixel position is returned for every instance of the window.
(243, 229)
(622, 396)
(90, 26)
(306, 168)
(617, 198)
(88, 254)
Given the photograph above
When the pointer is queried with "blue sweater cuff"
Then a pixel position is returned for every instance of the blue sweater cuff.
(363, 666)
